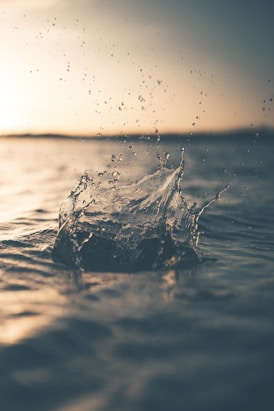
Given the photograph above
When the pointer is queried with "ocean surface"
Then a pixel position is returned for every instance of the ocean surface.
(137, 274)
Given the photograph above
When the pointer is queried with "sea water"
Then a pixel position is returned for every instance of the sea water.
(127, 282)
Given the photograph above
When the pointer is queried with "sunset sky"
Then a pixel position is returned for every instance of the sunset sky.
(121, 66)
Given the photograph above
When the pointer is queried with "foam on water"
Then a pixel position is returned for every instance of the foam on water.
(105, 225)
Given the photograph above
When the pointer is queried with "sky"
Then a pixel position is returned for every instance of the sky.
(91, 67)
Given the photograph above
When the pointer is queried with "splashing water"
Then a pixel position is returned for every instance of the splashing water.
(147, 225)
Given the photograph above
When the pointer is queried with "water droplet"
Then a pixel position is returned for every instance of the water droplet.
(116, 174)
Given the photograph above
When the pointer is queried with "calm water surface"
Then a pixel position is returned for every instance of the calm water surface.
(197, 338)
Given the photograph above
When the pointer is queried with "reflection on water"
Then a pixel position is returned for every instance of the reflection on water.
(19, 320)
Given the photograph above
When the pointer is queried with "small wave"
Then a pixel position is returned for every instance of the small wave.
(147, 225)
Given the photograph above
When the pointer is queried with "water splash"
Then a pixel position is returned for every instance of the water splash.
(147, 225)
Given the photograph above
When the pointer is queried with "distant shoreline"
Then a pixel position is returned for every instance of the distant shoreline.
(242, 133)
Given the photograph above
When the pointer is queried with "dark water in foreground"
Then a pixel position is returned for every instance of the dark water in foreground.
(197, 335)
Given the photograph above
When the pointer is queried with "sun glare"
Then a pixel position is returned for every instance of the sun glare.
(11, 115)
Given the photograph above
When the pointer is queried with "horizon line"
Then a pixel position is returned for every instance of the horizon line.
(233, 131)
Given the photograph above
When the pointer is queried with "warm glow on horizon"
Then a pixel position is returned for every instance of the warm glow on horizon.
(86, 69)
(11, 116)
